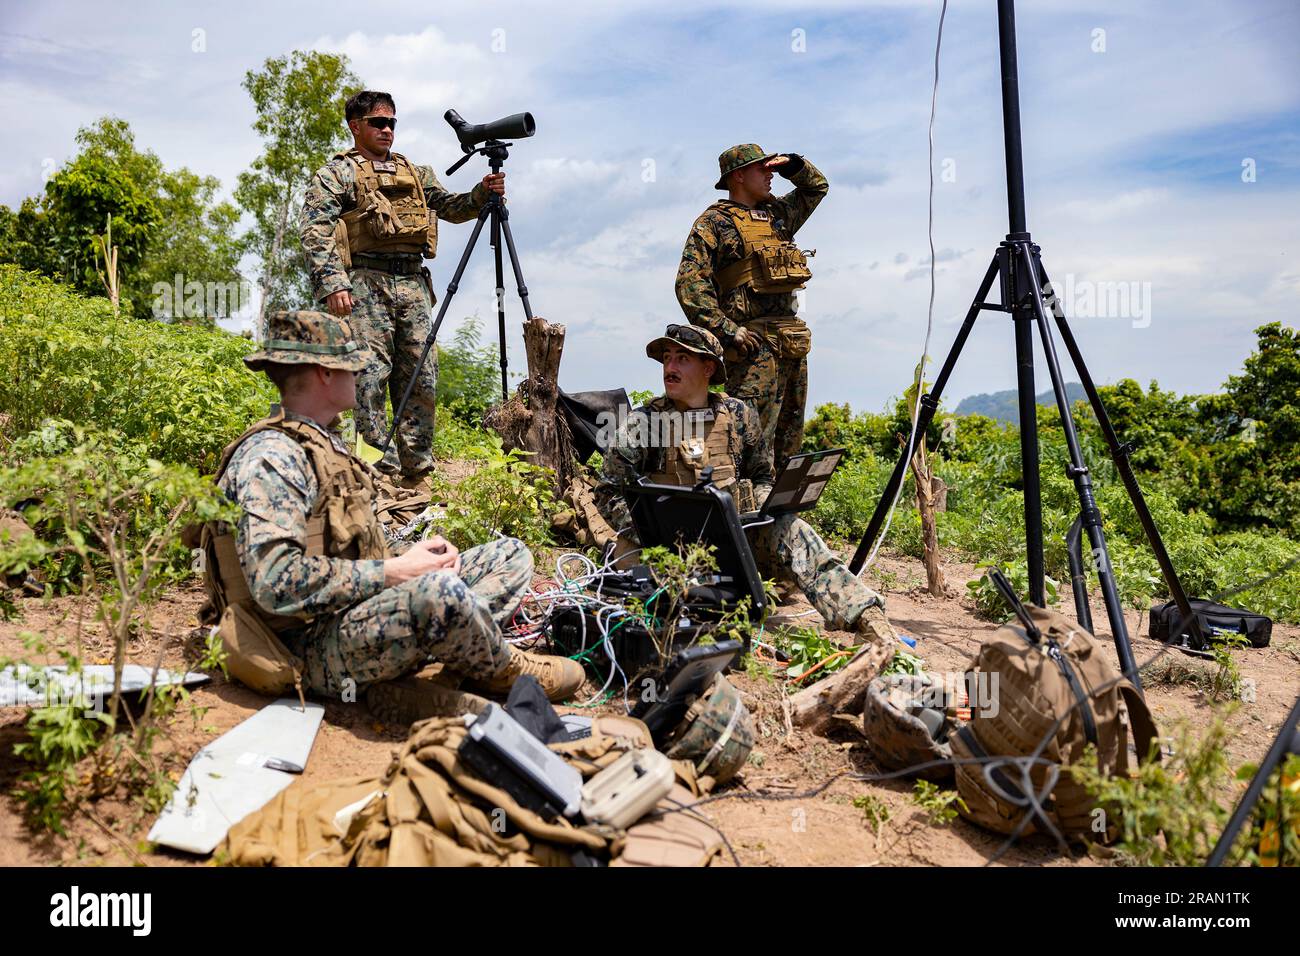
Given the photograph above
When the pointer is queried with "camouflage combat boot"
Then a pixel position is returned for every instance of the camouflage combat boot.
(409, 699)
(560, 677)
(874, 626)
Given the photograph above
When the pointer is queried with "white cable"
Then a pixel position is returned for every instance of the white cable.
(929, 318)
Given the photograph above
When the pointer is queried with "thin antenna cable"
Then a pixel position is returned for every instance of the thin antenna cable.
(929, 318)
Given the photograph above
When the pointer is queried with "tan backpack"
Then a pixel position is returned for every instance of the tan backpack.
(1043, 687)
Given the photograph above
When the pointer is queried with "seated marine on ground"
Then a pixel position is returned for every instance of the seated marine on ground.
(358, 608)
(673, 438)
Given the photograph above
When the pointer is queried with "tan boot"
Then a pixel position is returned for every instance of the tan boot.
(406, 700)
(874, 626)
(560, 677)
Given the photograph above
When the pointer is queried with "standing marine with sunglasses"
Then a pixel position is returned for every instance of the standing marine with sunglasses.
(369, 218)
(738, 275)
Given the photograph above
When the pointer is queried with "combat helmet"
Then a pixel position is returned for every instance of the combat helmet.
(716, 734)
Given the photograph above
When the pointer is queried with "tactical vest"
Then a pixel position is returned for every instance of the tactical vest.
(390, 215)
(342, 524)
(686, 459)
(769, 263)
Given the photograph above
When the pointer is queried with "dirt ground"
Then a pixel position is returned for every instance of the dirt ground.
(813, 830)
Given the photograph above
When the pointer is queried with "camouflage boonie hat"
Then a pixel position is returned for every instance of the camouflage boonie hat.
(898, 738)
(308, 338)
(737, 156)
(693, 339)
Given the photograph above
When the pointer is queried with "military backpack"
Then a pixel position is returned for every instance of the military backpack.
(1043, 689)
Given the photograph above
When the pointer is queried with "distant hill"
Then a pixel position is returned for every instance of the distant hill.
(1004, 406)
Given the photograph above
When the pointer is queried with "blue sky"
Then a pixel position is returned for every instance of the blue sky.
(1133, 153)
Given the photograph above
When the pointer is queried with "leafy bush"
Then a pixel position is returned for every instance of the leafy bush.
(988, 599)
(847, 503)
(181, 391)
(1169, 812)
(97, 500)
(506, 495)
(469, 375)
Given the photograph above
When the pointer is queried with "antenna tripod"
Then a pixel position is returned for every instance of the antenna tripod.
(1026, 295)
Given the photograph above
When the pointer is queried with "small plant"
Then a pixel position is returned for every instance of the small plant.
(989, 601)
(1225, 684)
(118, 515)
(759, 670)
(937, 802)
(508, 495)
(903, 663)
(677, 572)
(1275, 830)
(1168, 812)
(875, 813)
(810, 652)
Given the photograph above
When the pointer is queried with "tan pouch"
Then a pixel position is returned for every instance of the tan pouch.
(795, 342)
(348, 518)
(781, 267)
(341, 243)
(255, 656)
(672, 837)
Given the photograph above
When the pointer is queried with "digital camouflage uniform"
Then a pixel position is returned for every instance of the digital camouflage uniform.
(787, 549)
(391, 307)
(352, 626)
(364, 631)
(776, 387)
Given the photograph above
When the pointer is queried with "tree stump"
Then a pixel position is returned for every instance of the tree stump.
(530, 420)
(925, 504)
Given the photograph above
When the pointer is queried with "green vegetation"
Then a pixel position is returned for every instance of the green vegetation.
(940, 805)
(1221, 475)
(506, 495)
(298, 111)
(181, 392)
(109, 522)
(165, 223)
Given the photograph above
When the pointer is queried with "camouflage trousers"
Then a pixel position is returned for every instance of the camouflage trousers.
(789, 549)
(391, 314)
(776, 388)
(438, 617)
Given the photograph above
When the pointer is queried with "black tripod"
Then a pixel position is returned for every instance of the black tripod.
(1025, 295)
(495, 209)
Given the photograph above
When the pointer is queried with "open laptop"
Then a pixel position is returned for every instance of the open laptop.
(799, 484)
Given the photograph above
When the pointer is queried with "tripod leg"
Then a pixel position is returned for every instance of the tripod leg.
(1119, 455)
(929, 404)
(1078, 471)
(1078, 577)
(500, 294)
(452, 286)
(514, 263)
(1028, 425)
(1286, 742)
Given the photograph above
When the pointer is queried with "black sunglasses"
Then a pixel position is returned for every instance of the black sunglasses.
(381, 122)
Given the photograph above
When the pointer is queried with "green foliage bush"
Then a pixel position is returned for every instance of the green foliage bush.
(506, 495)
(469, 375)
(181, 391)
